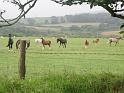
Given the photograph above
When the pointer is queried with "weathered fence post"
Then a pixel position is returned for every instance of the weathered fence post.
(22, 53)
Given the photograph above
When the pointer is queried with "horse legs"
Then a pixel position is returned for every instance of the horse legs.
(110, 43)
(49, 46)
(43, 47)
(116, 43)
(60, 44)
(11, 46)
(65, 45)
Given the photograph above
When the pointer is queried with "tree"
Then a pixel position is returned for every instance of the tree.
(114, 7)
(24, 6)
(54, 20)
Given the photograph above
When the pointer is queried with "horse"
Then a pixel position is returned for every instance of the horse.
(114, 40)
(45, 42)
(18, 43)
(62, 41)
(10, 43)
(86, 43)
(96, 41)
(38, 41)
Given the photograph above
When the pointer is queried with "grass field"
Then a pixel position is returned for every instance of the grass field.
(75, 58)
(97, 69)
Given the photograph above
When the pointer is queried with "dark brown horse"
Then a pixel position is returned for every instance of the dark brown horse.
(46, 42)
(10, 42)
(62, 41)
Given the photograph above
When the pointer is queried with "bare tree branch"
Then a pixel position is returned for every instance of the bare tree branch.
(23, 8)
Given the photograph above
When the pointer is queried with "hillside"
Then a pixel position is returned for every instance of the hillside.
(81, 25)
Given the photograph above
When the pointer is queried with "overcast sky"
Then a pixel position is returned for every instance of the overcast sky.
(47, 8)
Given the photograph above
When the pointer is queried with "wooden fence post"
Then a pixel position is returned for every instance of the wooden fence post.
(22, 53)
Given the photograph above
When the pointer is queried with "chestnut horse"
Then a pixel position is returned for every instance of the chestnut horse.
(46, 42)
(96, 41)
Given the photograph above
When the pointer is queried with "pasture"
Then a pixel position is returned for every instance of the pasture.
(75, 58)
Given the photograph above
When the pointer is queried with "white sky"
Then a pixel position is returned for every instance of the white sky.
(47, 8)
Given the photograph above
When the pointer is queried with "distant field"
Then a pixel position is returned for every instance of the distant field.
(45, 28)
(75, 58)
(70, 24)
(57, 27)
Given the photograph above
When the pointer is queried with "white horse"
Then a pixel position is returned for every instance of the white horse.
(38, 41)
(114, 40)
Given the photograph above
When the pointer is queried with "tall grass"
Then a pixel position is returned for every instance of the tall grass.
(65, 83)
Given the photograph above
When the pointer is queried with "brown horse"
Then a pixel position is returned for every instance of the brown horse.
(46, 42)
(96, 41)
(86, 43)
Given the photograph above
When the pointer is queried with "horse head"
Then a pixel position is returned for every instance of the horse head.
(58, 40)
(119, 38)
(42, 38)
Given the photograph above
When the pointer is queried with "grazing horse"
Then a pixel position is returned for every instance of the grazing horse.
(18, 43)
(62, 41)
(86, 43)
(114, 40)
(46, 42)
(96, 41)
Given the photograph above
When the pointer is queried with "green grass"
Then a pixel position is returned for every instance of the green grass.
(65, 83)
(97, 58)
(97, 69)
